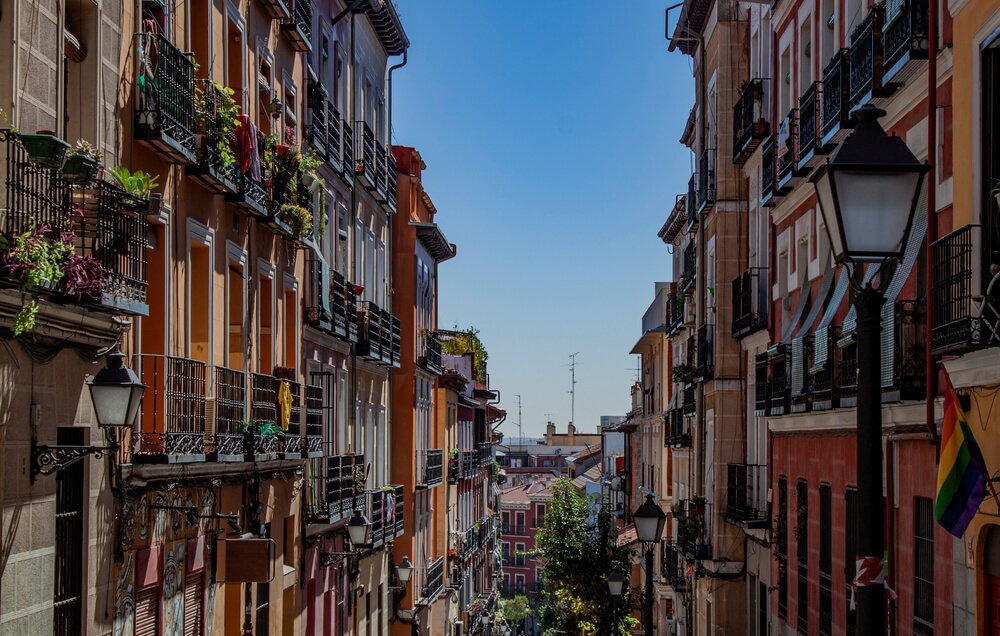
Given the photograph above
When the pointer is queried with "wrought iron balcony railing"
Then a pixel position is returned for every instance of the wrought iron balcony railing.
(380, 170)
(313, 421)
(251, 193)
(705, 368)
(430, 468)
(746, 495)
(431, 358)
(810, 123)
(318, 312)
(825, 369)
(694, 529)
(674, 312)
(347, 150)
(801, 387)
(343, 306)
(689, 406)
(787, 148)
(780, 381)
(902, 376)
(293, 441)
(762, 387)
(217, 168)
(316, 131)
(867, 58)
(391, 179)
(689, 266)
(905, 38)
(171, 425)
(692, 201)
(706, 179)
(345, 483)
(433, 579)
(365, 154)
(379, 334)
(768, 165)
(164, 112)
(675, 433)
(836, 97)
(750, 301)
(334, 125)
(966, 292)
(262, 438)
(672, 566)
(299, 27)
(750, 125)
(226, 413)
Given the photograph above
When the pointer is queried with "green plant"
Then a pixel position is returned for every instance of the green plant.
(33, 258)
(86, 149)
(297, 217)
(680, 372)
(138, 184)
(226, 113)
(467, 341)
(359, 479)
(453, 453)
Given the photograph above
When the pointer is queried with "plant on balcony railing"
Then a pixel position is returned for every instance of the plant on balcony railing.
(34, 259)
(82, 165)
(165, 99)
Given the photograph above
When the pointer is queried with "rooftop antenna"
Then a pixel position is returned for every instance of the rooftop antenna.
(572, 387)
(638, 371)
(520, 433)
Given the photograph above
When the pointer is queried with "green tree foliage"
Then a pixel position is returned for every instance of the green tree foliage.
(467, 341)
(577, 559)
(513, 611)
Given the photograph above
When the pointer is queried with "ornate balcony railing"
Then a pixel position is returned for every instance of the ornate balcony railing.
(226, 413)
(788, 147)
(689, 266)
(905, 37)
(800, 387)
(345, 482)
(343, 307)
(171, 425)
(430, 467)
(251, 193)
(836, 96)
(216, 168)
(706, 179)
(164, 113)
(762, 385)
(262, 438)
(675, 432)
(672, 566)
(379, 334)
(780, 383)
(433, 579)
(299, 27)
(431, 358)
(867, 58)
(768, 164)
(365, 154)
(746, 495)
(694, 529)
(750, 125)
(825, 371)
(313, 421)
(750, 300)
(293, 441)
(705, 368)
(316, 131)
(810, 124)
(966, 294)
(334, 135)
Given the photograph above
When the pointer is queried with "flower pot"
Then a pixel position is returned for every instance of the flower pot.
(80, 170)
(307, 180)
(315, 186)
(45, 151)
(281, 150)
(155, 200)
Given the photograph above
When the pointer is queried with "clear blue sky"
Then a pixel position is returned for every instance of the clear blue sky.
(550, 132)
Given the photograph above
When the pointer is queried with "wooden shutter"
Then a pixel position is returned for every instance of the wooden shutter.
(147, 612)
(194, 589)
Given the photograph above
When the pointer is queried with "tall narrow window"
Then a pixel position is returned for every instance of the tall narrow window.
(236, 305)
(781, 539)
(68, 597)
(850, 553)
(200, 302)
(265, 320)
(235, 45)
(263, 609)
(291, 322)
(825, 561)
(802, 554)
(923, 566)
(991, 129)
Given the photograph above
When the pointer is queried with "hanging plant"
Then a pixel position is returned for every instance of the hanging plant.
(44, 149)
(83, 278)
(226, 113)
(34, 260)
(296, 217)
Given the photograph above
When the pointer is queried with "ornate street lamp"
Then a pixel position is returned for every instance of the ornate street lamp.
(615, 584)
(868, 192)
(649, 521)
(357, 529)
(404, 571)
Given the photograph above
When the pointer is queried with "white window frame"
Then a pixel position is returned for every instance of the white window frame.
(198, 232)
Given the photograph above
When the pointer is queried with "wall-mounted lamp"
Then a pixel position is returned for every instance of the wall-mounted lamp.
(357, 534)
(275, 108)
(192, 515)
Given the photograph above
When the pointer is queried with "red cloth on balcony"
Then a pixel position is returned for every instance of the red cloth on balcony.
(246, 147)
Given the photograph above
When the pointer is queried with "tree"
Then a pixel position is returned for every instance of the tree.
(513, 611)
(577, 559)
(467, 341)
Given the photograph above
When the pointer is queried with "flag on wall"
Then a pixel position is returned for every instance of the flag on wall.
(962, 476)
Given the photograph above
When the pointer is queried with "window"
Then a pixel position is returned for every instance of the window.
(147, 612)
(291, 322)
(781, 532)
(194, 591)
(850, 553)
(263, 607)
(802, 554)
(199, 289)
(805, 54)
(265, 320)
(990, 126)
(825, 565)
(519, 555)
(236, 307)
(923, 566)
(539, 515)
(68, 598)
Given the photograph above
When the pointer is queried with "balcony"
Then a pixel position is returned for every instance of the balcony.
(318, 312)
(216, 167)
(675, 432)
(384, 509)
(825, 369)
(810, 125)
(293, 439)
(380, 176)
(430, 467)
(705, 368)
(390, 189)
(432, 581)
(689, 265)
(966, 298)
(226, 414)
(485, 450)
(316, 131)
(867, 60)
(750, 126)
(672, 567)
(836, 118)
(379, 334)
(462, 465)
(431, 358)
(171, 426)
(694, 529)
(313, 422)
(275, 9)
(746, 495)
(262, 438)
(780, 384)
(902, 369)
(251, 194)
(343, 307)
(334, 135)
(904, 39)
(706, 180)
(801, 390)
(514, 530)
(689, 406)
(164, 112)
(674, 312)
(768, 165)
(750, 301)
(692, 202)
(761, 384)
(298, 27)
(365, 155)
(347, 151)
(344, 488)
(787, 151)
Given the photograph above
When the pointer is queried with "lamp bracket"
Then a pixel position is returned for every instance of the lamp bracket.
(49, 458)
(329, 559)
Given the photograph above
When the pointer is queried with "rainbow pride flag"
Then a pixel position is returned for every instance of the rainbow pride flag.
(961, 483)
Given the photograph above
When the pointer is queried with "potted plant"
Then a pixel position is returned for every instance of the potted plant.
(83, 279)
(137, 185)
(34, 260)
(359, 479)
(680, 372)
(82, 165)
(44, 149)
(297, 218)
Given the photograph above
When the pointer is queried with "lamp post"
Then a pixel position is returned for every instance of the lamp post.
(649, 521)
(615, 583)
(868, 192)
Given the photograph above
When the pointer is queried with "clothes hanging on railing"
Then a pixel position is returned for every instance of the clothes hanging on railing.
(246, 148)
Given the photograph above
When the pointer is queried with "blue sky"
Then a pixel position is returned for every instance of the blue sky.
(550, 134)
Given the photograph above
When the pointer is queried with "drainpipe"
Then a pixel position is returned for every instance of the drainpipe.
(391, 69)
(931, 368)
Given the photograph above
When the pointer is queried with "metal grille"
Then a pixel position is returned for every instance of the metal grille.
(316, 132)
(347, 147)
(391, 182)
(433, 578)
(779, 380)
(264, 398)
(230, 410)
(33, 196)
(825, 560)
(866, 56)
(749, 123)
(923, 565)
(166, 89)
(788, 149)
(905, 32)
(706, 178)
(380, 167)
(365, 153)
(810, 120)
(767, 166)
(173, 405)
(217, 141)
(705, 353)
(836, 92)
(333, 131)
(69, 557)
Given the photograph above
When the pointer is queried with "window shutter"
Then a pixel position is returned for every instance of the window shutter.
(193, 595)
(147, 612)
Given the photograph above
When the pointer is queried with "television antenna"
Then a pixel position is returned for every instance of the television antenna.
(572, 387)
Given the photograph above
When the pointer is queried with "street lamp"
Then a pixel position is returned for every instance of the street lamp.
(649, 521)
(404, 571)
(357, 529)
(868, 192)
(615, 583)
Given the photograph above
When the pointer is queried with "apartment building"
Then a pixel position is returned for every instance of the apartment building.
(523, 509)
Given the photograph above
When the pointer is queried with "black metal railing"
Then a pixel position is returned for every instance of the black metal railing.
(317, 293)
(848, 370)
(431, 359)
(905, 34)
(433, 580)
(672, 566)
(380, 166)
(293, 440)
(313, 421)
(390, 190)
(780, 382)
(217, 166)
(379, 334)
(694, 528)
(343, 307)
(867, 57)
(902, 338)
(767, 169)
(165, 100)
(347, 149)
(299, 25)
(316, 131)
(365, 152)
(750, 300)
(810, 122)
(836, 94)
(251, 193)
(689, 406)
(675, 432)
(705, 367)
(674, 312)
(762, 395)
(33, 195)
(800, 386)
(430, 472)
(171, 421)
(825, 371)
(229, 410)
(966, 295)
(345, 483)
(263, 439)
(706, 178)
(692, 200)
(750, 125)
(514, 530)
(333, 135)
(746, 495)
(788, 147)
(689, 265)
